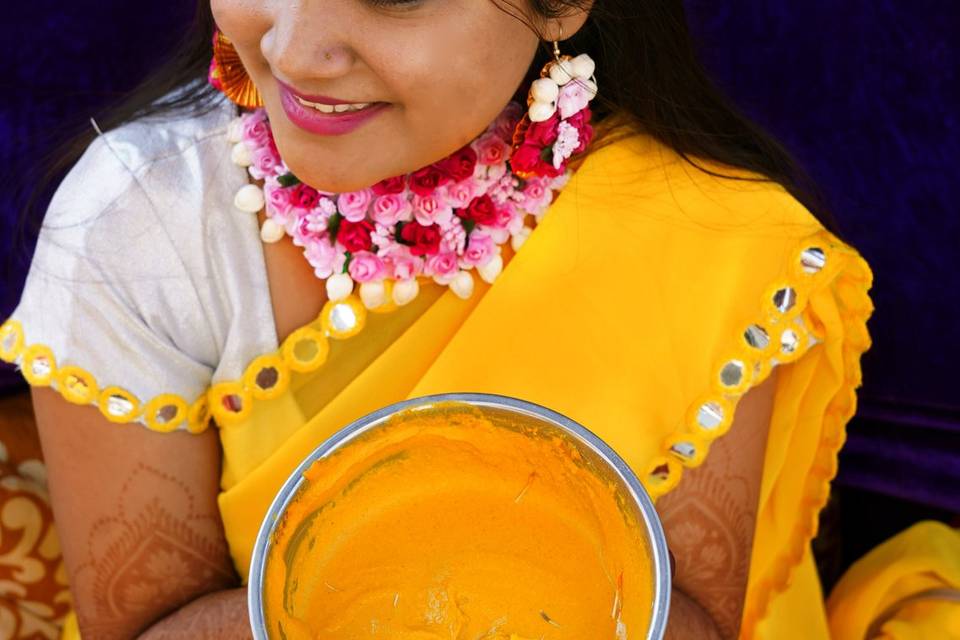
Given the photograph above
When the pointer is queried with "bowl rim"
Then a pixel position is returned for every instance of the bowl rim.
(654, 528)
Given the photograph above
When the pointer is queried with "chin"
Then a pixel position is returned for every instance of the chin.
(336, 179)
(335, 185)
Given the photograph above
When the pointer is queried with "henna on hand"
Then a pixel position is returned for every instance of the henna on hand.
(217, 616)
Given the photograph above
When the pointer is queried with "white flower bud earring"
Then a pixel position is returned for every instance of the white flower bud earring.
(557, 122)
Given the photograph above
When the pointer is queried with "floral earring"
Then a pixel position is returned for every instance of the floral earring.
(228, 76)
(557, 122)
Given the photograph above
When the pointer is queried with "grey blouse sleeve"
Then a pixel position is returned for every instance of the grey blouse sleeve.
(110, 314)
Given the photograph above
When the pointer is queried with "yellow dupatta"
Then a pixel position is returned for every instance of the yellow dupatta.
(621, 311)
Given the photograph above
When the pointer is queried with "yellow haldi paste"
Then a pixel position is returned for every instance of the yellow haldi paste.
(444, 525)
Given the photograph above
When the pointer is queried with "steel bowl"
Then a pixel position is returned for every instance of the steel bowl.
(592, 448)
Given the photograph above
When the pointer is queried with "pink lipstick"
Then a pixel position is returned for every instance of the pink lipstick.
(326, 116)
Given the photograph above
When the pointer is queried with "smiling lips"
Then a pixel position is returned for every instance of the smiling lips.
(333, 108)
(326, 116)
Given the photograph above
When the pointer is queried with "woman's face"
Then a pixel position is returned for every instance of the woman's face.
(436, 73)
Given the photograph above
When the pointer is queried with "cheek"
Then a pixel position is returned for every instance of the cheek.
(462, 76)
(241, 21)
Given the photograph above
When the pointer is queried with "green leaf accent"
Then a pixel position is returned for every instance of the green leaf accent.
(346, 263)
(288, 180)
(398, 237)
(333, 226)
(468, 225)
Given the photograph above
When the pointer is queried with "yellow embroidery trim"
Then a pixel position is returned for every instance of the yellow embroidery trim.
(76, 385)
(266, 377)
(305, 349)
(785, 329)
(39, 365)
(165, 412)
(198, 416)
(114, 403)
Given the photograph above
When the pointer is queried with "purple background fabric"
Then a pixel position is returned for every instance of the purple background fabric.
(866, 95)
(864, 92)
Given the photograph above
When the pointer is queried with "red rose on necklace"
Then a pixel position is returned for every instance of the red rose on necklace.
(422, 240)
(424, 182)
(482, 210)
(395, 184)
(305, 196)
(460, 165)
(355, 236)
(542, 134)
(529, 160)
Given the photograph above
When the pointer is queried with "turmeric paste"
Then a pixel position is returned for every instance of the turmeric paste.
(444, 525)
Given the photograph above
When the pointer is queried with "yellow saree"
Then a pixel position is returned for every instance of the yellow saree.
(649, 299)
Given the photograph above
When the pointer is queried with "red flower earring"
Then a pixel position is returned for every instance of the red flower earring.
(557, 122)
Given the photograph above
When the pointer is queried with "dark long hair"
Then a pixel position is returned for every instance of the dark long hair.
(646, 66)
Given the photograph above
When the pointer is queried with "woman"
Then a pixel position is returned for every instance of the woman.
(676, 296)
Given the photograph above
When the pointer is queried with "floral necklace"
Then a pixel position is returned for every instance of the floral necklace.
(441, 222)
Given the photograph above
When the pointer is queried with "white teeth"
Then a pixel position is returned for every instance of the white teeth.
(333, 108)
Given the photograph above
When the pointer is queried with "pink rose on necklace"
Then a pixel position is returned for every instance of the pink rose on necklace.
(479, 250)
(425, 181)
(395, 184)
(353, 205)
(460, 194)
(257, 130)
(390, 208)
(322, 256)
(442, 266)
(265, 163)
(535, 195)
(491, 149)
(405, 266)
(355, 236)
(431, 209)
(505, 214)
(366, 267)
(278, 202)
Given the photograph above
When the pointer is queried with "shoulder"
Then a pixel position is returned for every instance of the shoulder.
(132, 218)
(133, 202)
(639, 177)
(143, 164)
(140, 266)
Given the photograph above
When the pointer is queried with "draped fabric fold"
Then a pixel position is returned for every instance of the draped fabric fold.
(908, 588)
(621, 310)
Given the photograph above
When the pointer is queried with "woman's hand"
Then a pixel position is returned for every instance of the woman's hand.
(217, 616)
(137, 516)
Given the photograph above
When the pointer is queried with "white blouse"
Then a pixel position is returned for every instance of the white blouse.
(147, 285)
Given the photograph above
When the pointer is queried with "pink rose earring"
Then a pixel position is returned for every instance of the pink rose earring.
(557, 122)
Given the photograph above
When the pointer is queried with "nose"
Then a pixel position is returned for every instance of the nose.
(304, 45)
